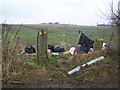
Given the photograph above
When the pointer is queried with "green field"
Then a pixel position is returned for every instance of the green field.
(57, 34)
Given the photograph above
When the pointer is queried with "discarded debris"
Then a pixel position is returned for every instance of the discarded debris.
(72, 49)
(84, 43)
(56, 49)
(98, 43)
(104, 46)
(29, 49)
(66, 52)
(91, 50)
(59, 49)
(86, 64)
(55, 54)
(51, 47)
(48, 51)
(21, 52)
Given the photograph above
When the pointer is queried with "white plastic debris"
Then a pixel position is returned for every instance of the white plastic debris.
(90, 50)
(72, 49)
(83, 65)
(49, 51)
(86, 64)
(104, 46)
(95, 60)
(55, 54)
(74, 70)
(23, 51)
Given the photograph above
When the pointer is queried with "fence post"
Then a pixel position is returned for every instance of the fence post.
(5, 47)
(42, 55)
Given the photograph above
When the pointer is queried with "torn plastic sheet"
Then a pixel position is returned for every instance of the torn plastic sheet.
(86, 64)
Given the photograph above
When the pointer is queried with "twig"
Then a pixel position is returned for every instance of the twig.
(15, 82)
(59, 71)
(77, 42)
(108, 46)
(15, 46)
(17, 32)
(111, 38)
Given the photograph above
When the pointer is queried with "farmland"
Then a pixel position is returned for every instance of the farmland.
(63, 33)
(29, 73)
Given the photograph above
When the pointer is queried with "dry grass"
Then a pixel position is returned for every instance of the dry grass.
(9, 52)
(82, 58)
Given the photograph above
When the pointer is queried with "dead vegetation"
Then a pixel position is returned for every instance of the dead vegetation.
(9, 52)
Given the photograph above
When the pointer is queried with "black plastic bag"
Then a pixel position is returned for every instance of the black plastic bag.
(29, 49)
(59, 49)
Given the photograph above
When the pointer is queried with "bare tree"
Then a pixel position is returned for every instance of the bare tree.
(112, 13)
(113, 16)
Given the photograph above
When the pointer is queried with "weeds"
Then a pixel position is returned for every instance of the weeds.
(9, 52)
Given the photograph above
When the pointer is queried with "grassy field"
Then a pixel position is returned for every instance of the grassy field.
(26, 71)
(57, 33)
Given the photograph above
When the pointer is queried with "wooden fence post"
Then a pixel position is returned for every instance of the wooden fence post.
(5, 48)
(42, 55)
(5, 42)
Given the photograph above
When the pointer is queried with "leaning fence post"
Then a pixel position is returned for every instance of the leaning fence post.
(42, 55)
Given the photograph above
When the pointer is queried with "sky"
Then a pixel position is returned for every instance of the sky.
(80, 12)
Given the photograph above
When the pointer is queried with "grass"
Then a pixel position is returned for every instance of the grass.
(58, 34)
(69, 35)
(26, 34)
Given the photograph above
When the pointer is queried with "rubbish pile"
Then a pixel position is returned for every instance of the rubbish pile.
(84, 45)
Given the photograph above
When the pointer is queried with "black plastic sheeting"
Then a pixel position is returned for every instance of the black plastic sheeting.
(51, 47)
(85, 42)
(56, 49)
(59, 49)
(29, 49)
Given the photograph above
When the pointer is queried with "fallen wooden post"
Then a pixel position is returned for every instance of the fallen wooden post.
(59, 71)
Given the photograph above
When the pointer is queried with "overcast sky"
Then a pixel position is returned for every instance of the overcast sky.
(80, 12)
